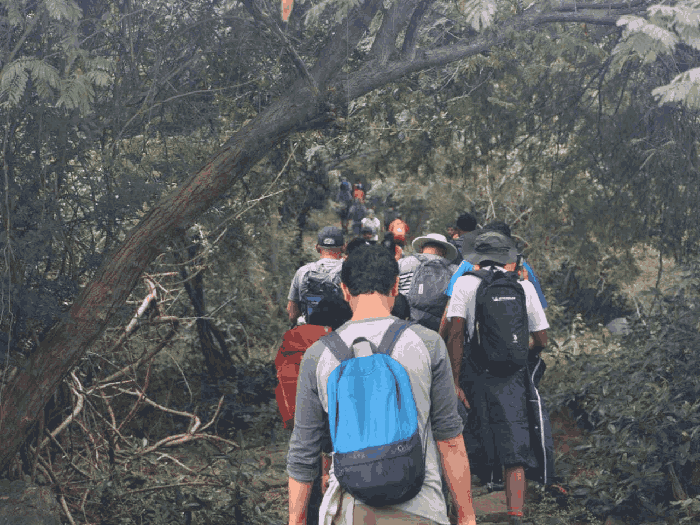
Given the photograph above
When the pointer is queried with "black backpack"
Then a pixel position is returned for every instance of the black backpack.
(426, 297)
(501, 332)
(321, 283)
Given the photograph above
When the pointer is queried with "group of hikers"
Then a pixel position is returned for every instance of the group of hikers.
(405, 374)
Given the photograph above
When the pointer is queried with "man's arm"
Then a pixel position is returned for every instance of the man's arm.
(293, 310)
(538, 341)
(455, 465)
(455, 349)
(442, 331)
(455, 345)
(298, 501)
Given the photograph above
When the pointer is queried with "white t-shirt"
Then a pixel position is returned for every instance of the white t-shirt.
(463, 303)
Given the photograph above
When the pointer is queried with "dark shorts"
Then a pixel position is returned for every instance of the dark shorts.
(497, 432)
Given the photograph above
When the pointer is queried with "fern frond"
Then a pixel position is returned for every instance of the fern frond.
(479, 13)
(684, 89)
(13, 83)
(63, 10)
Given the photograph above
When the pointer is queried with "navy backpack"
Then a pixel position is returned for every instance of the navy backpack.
(379, 457)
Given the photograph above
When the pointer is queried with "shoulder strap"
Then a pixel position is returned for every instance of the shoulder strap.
(343, 352)
(337, 346)
(391, 336)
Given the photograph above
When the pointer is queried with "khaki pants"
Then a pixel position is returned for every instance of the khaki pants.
(366, 515)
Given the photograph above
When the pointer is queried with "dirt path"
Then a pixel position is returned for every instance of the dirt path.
(489, 507)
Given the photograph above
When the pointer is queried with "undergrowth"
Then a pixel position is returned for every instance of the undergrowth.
(641, 400)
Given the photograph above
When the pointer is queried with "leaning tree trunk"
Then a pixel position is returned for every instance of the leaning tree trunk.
(26, 394)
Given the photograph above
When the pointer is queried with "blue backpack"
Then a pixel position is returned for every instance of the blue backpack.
(378, 454)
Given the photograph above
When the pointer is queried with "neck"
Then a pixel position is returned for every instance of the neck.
(367, 306)
(327, 254)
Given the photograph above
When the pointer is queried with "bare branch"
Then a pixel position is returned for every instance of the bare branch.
(384, 44)
(411, 38)
(622, 6)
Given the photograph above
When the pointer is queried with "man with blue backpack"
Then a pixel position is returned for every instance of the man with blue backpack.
(384, 389)
(495, 314)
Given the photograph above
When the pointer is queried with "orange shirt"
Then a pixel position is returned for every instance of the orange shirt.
(399, 228)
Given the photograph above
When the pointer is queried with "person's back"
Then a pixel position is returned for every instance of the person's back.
(424, 277)
(329, 315)
(367, 277)
(400, 230)
(319, 279)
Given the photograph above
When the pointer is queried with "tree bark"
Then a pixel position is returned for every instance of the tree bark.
(303, 108)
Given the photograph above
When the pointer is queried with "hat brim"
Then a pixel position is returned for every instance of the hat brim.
(472, 256)
(450, 250)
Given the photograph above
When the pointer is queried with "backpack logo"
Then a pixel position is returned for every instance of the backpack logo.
(379, 457)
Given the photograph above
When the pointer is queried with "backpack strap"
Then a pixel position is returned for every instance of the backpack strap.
(337, 346)
(391, 336)
(343, 352)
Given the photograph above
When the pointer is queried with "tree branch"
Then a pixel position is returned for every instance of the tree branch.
(411, 38)
(384, 44)
(343, 37)
(607, 7)
(271, 24)
(370, 76)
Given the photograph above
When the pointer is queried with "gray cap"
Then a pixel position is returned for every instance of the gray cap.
(492, 246)
(331, 237)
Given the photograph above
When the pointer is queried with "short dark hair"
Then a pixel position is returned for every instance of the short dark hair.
(435, 245)
(356, 243)
(389, 243)
(466, 222)
(369, 269)
(331, 311)
(401, 308)
(498, 226)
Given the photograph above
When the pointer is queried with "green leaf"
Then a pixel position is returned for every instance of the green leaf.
(63, 9)
(684, 89)
(645, 39)
(14, 82)
(479, 13)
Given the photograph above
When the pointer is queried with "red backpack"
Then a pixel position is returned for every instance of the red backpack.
(294, 343)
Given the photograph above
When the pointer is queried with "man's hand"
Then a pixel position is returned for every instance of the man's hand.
(463, 398)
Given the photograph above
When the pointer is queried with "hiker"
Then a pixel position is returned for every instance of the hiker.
(372, 223)
(491, 372)
(502, 227)
(357, 213)
(466, 223)
(356, 243)
(400, 229)
(329, 315)
(526, 273)
(314, 281)
(359, 192)
(423, 278)
(423, 384)
(389, 244)
(344, 198)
